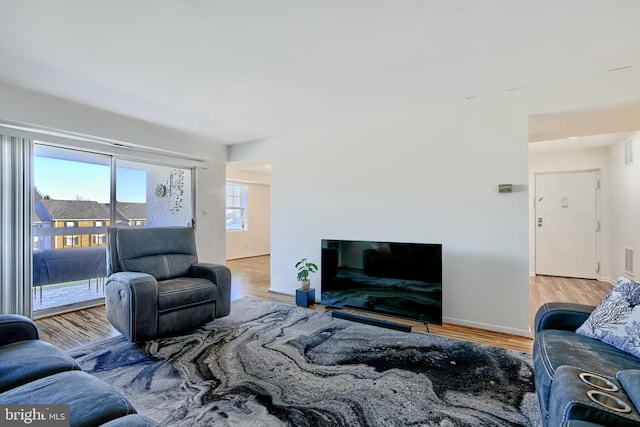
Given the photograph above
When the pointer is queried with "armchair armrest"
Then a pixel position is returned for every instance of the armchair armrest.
(563, 316)
(14, 328)
(221, 276)
(128, 307)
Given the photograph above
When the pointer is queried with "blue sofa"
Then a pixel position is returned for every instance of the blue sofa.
(561, 356)
(34, 372)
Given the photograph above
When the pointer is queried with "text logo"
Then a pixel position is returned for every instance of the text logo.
(34, 415)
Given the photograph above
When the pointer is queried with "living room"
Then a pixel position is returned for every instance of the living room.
(386, 123)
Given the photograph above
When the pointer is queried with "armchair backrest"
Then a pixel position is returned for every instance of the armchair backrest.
(163, 252)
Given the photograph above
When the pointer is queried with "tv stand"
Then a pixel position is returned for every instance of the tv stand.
(371, 321)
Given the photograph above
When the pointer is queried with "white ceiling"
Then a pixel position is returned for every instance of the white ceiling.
(237, 71)
(579, 143)
(612, 118)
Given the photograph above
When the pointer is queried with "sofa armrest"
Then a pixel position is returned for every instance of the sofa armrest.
(630, 381)
(565, 316)
(14, 328)
(221, 276)
(132, 304)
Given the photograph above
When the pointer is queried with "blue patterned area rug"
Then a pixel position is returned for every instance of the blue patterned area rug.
(270, 364)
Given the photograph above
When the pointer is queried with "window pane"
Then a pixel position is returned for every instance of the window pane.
(236, 218)
(71, 196)
(152, 195)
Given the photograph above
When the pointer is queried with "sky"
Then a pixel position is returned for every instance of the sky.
(67, 180)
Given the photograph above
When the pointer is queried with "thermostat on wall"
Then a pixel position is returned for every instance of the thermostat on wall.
(505, 188)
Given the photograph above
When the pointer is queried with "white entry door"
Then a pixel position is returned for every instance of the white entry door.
(566, 224)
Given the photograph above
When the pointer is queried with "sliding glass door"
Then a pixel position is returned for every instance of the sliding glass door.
(71, 212)
(70, 217)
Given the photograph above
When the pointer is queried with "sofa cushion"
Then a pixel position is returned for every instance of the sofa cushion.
(616, 320)
(26, 361)
(183, 292)
(161, 267)
(555, 348)
(91, 401)
(163, 252)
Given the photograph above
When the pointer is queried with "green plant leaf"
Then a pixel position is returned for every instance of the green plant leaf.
(304, 268)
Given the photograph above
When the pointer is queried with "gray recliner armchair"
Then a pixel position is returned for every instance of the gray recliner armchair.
(156, 286)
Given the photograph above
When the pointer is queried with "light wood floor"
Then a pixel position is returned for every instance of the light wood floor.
(251, 277)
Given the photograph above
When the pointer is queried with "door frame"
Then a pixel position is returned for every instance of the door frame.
(598, 215)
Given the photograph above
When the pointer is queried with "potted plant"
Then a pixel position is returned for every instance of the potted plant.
(304, 268)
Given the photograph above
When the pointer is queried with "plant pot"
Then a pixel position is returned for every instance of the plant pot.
(305, 284)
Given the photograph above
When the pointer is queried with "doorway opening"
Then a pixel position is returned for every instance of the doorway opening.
(595, 140)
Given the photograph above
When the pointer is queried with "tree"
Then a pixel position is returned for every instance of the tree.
(37, 195)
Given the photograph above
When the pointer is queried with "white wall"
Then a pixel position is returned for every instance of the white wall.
(30, 108)
(254, 241)
(625, 205)
(163, 210)
(383, 180)
(428, 175)
(210, 214)
(575, 160)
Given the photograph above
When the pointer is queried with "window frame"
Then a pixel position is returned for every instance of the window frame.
(239, 206)
(19, 141)
(75, 240)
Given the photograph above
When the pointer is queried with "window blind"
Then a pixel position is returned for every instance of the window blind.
(15, 224)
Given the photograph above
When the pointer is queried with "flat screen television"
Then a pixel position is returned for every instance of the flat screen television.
(395, 279)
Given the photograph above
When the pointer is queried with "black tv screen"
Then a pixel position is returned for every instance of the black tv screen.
(395, 279)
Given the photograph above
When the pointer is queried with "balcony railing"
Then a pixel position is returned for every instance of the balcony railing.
(65, 276)
(53, 299)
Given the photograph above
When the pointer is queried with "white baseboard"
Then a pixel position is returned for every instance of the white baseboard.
(478, 325)
(599, 279)
(489, 327)
(608, 280)
(281, 291)
(231, 258)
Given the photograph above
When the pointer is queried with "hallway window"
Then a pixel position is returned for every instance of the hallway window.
(236, 209)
